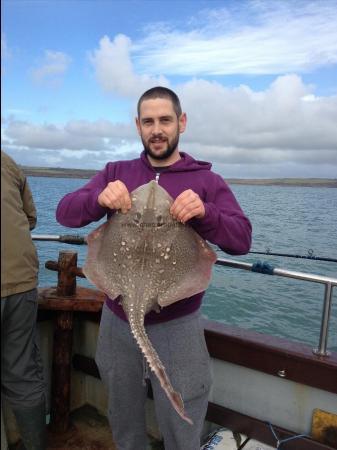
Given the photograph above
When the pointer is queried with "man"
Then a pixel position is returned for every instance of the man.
(22, 382)
(203, 200)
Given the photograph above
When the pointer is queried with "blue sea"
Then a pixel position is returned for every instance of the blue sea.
(294, 220)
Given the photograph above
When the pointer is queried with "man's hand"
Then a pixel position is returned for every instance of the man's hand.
(186, 206)
(115, 196)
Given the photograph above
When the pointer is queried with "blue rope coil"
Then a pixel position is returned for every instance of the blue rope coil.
(279, 442)
(263, 267)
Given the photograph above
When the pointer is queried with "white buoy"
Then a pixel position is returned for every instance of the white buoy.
(223, 439)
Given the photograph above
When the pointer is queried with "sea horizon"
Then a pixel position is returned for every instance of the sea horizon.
(62, 172)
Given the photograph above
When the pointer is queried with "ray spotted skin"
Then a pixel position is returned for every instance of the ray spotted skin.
(151, 261)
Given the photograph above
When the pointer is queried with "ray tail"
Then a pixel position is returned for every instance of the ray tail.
(151, 356)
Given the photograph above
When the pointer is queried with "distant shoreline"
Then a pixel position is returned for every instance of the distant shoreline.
(86, 174)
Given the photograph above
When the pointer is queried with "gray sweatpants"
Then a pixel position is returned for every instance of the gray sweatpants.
(181, 347)
(22, 382)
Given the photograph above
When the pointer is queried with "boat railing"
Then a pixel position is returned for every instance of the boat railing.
(259, 267)
(328, 282)
(67, 302)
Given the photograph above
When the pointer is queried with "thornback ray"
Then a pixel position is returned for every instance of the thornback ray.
(150, 260)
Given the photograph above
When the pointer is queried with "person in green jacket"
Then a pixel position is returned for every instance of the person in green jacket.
(22, 382)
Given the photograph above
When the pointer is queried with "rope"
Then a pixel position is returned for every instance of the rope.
(263, 267)
(279, 441)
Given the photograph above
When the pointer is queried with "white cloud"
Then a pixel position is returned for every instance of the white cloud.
(76, 135)
(114, 70)
(52, 68)
(280, 117)
(248, 37)
(285, 126)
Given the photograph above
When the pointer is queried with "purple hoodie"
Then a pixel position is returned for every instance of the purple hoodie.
(224, 224)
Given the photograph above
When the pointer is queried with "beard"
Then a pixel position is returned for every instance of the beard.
(171, 147)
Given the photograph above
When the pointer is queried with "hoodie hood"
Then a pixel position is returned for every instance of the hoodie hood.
(185, 164)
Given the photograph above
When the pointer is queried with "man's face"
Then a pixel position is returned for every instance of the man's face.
(159, 128)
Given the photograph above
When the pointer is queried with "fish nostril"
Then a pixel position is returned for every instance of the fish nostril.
(160, 221)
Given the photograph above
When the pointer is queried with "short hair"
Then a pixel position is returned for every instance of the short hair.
(161, 92)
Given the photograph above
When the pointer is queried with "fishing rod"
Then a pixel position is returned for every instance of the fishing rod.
(74, 239)
(82, 240)
(288, 255)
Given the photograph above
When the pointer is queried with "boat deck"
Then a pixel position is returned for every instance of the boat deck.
(288, 382)
(89, 431)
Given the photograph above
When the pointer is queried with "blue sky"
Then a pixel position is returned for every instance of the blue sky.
(257, 79)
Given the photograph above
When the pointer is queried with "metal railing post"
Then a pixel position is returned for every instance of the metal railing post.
(323, 338)
(328, 282)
